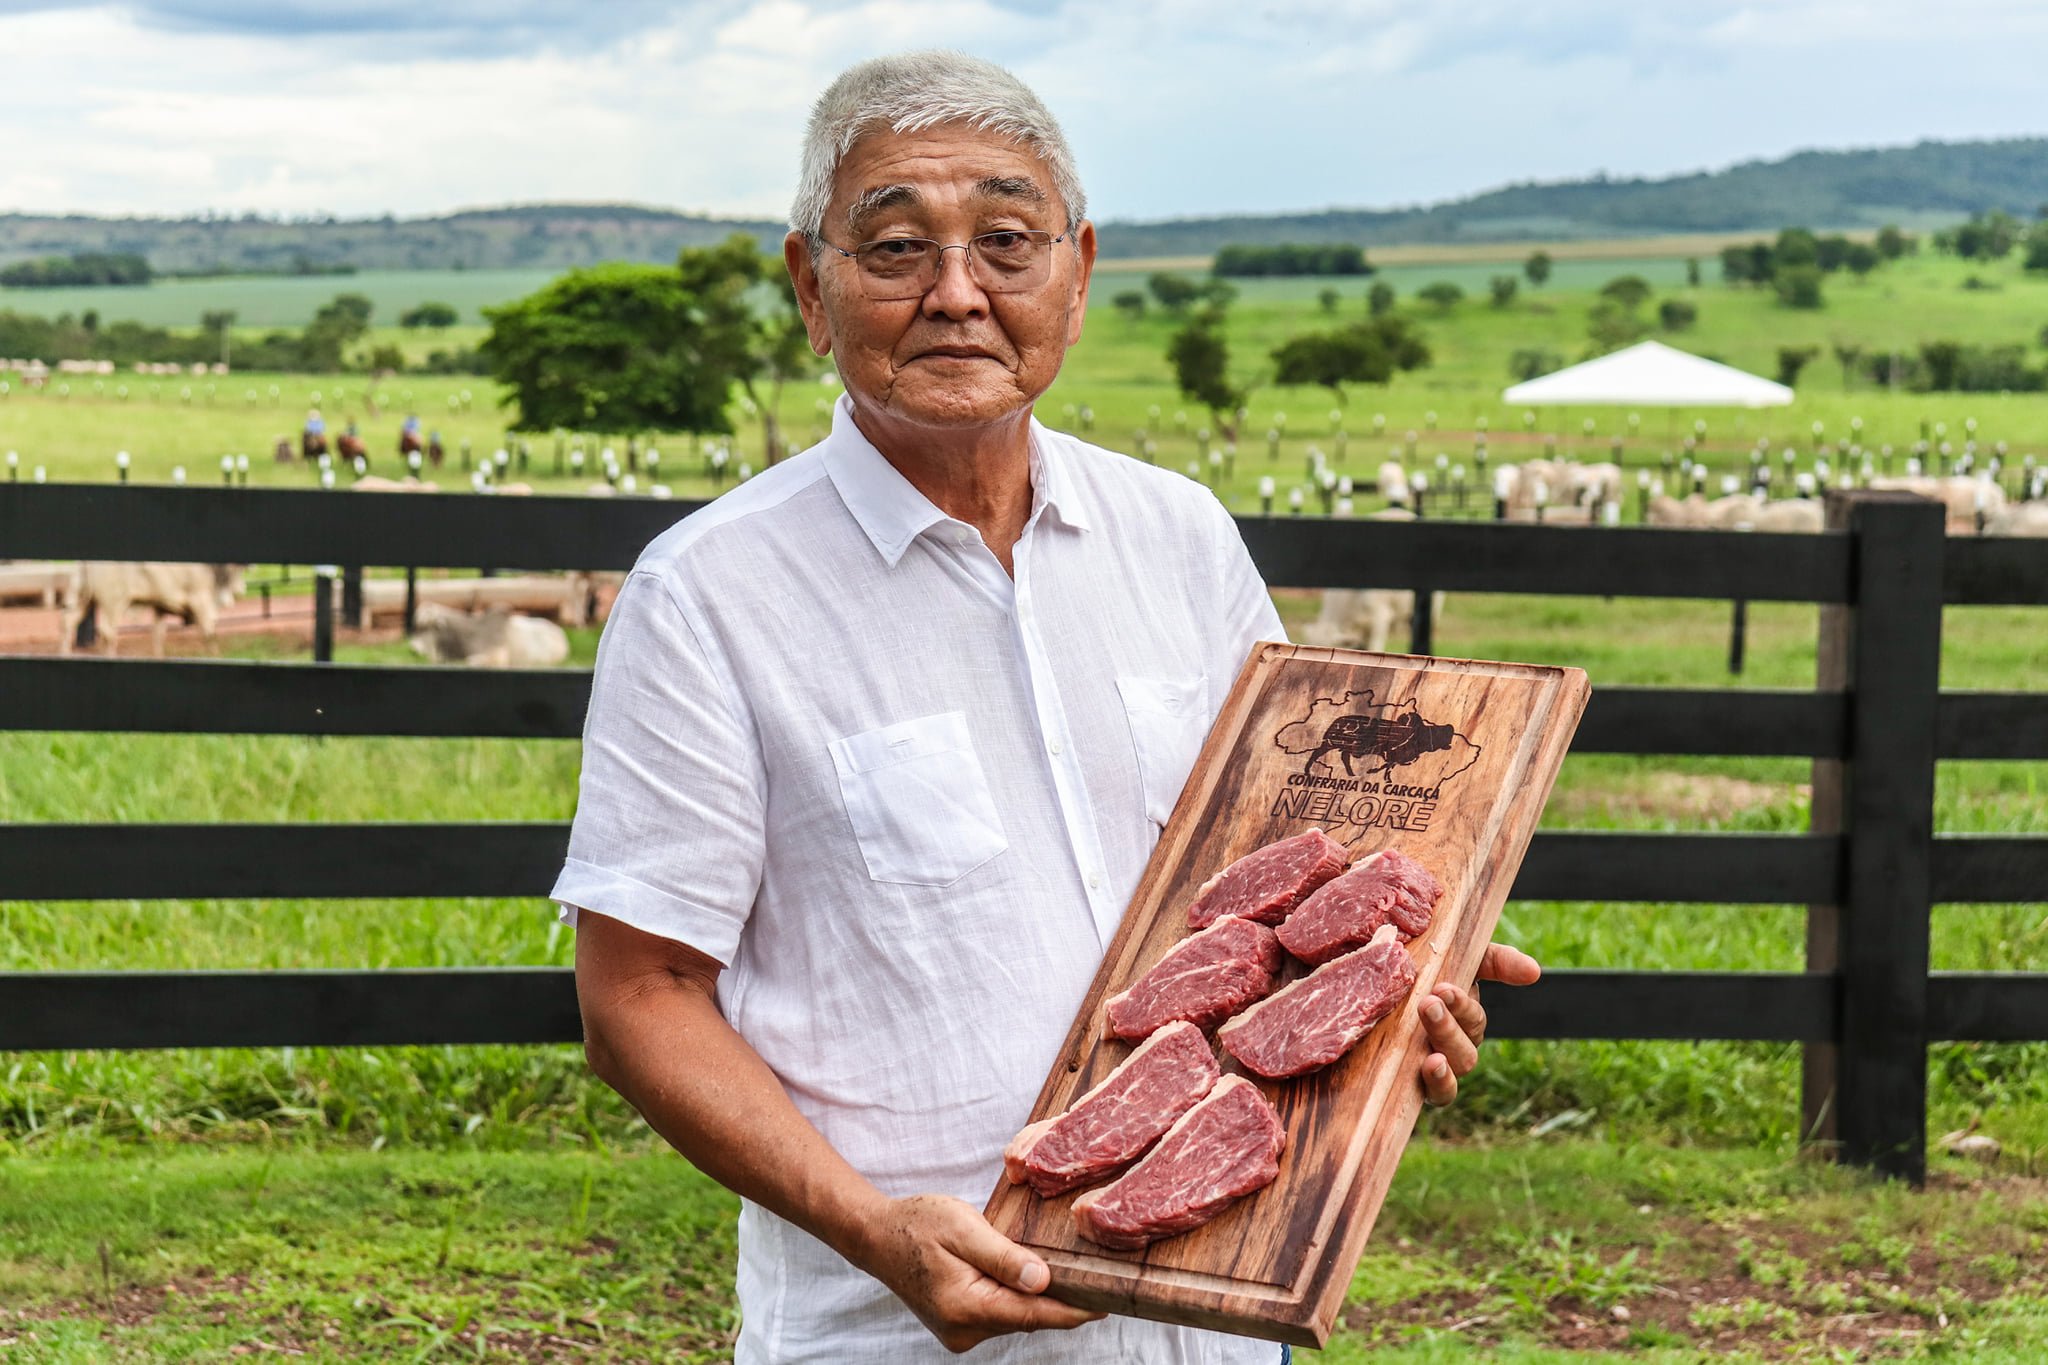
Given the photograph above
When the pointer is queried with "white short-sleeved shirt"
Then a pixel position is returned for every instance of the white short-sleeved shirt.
(905, 799)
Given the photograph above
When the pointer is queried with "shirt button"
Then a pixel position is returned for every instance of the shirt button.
(1055, 747)
(1095, 883)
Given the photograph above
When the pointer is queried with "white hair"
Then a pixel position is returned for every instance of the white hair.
(910, 92)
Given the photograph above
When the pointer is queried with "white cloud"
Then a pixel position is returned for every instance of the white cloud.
(1175, 106)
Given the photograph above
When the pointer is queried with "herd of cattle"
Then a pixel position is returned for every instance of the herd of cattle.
(518, 622)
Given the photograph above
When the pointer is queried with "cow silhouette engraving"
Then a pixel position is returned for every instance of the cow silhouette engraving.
(1394, 740)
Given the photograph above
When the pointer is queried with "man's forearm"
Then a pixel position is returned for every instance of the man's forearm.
(674, 1057)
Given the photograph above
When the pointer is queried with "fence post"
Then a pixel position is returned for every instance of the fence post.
(352, 595)
(323, 613)
(1865, 1094)
(1421, 623)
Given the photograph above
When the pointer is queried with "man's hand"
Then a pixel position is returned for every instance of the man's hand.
(1456, 1025)
(964, 1280)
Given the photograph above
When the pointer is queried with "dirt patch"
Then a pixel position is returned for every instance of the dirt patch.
(1688, 798)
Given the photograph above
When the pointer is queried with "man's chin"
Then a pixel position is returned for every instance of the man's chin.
(956, 406)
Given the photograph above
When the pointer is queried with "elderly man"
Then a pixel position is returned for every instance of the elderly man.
(879, 744)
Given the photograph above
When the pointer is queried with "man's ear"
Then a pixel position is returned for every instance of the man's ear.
(1084, 247)
(810, 302)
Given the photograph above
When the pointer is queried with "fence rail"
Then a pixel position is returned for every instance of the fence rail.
(1870, 870)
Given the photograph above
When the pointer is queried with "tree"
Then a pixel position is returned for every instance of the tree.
(1327, 298)
(2036, 257)
(1798, 286)
(1862, 258)
(218, 324)
(759, 343)
(1174, 292)
(1676, 315)
(1795, 246)
(1611, 325)
(1692, 271)
(1537, 268)
(1627, 290)
(1443, 294)
(430, 314)
(1367, 352)
(1131, 303)
(1200, 356)
(1891, 243)
(1502, 288)
(336, 325)
(1379, 300)
(1847, 353)
(1528, 364)
(1791, 360)
(615, 347)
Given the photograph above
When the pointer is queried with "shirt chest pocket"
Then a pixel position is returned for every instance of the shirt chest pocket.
(1168, 723)
(918, 800)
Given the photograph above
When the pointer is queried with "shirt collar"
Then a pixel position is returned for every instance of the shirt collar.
(892, 511)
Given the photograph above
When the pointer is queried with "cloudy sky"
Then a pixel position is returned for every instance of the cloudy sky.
(1174, 106)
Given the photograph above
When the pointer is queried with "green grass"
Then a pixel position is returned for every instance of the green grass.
(1561, 1248)
(261, 302)
(1119, 372)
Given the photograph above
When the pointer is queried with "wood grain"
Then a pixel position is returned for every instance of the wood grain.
(1463, 801)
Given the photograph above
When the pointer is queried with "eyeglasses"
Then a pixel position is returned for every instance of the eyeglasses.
(1004, 262)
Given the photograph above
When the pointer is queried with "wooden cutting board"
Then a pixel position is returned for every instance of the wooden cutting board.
(1449, 760)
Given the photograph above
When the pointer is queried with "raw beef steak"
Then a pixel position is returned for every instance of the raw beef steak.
(1388, 887)
(1111, 1126)
(1268, 882)
(1205, 978)
(1312, 1022)
(1220, 1150)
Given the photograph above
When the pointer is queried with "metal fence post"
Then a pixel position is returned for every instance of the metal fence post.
(1865, 1094)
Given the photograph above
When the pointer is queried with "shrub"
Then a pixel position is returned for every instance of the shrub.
(1502, 288)
(1675, 315)
(1798, 286)
(1443, 294)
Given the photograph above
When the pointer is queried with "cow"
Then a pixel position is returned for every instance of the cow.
(195, 592)
(491, 639)
(1395, 740)
(2018, 519)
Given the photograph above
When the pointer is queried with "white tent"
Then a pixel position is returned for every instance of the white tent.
(1652, 373)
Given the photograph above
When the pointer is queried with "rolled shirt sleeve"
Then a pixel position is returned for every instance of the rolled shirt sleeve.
(1245, 615)
(668, 835)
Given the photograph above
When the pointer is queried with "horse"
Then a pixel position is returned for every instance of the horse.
(435, 452)
(408, 442)
(312, 445)
(352, 447)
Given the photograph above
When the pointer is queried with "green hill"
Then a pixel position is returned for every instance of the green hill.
(1917, 186)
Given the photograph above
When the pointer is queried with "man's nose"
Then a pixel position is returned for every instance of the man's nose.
(955, 293)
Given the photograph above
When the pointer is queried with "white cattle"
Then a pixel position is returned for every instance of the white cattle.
(2018, 519)
(195, 592)
(1964, 496)
(491, 639)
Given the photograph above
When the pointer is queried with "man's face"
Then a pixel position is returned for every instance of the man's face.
(959, 356)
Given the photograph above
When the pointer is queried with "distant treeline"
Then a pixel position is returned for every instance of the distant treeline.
(83, 268)
(1800, 248)
(298, 267)
(1291, 258)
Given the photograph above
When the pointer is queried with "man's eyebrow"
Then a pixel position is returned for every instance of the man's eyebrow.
(874, 201)
(1010, 187)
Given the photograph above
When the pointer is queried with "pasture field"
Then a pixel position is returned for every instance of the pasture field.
(1119, 374)
(1549, 1250)
(500, 1203)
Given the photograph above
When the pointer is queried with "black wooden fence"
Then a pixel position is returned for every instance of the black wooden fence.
(1871, 867)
